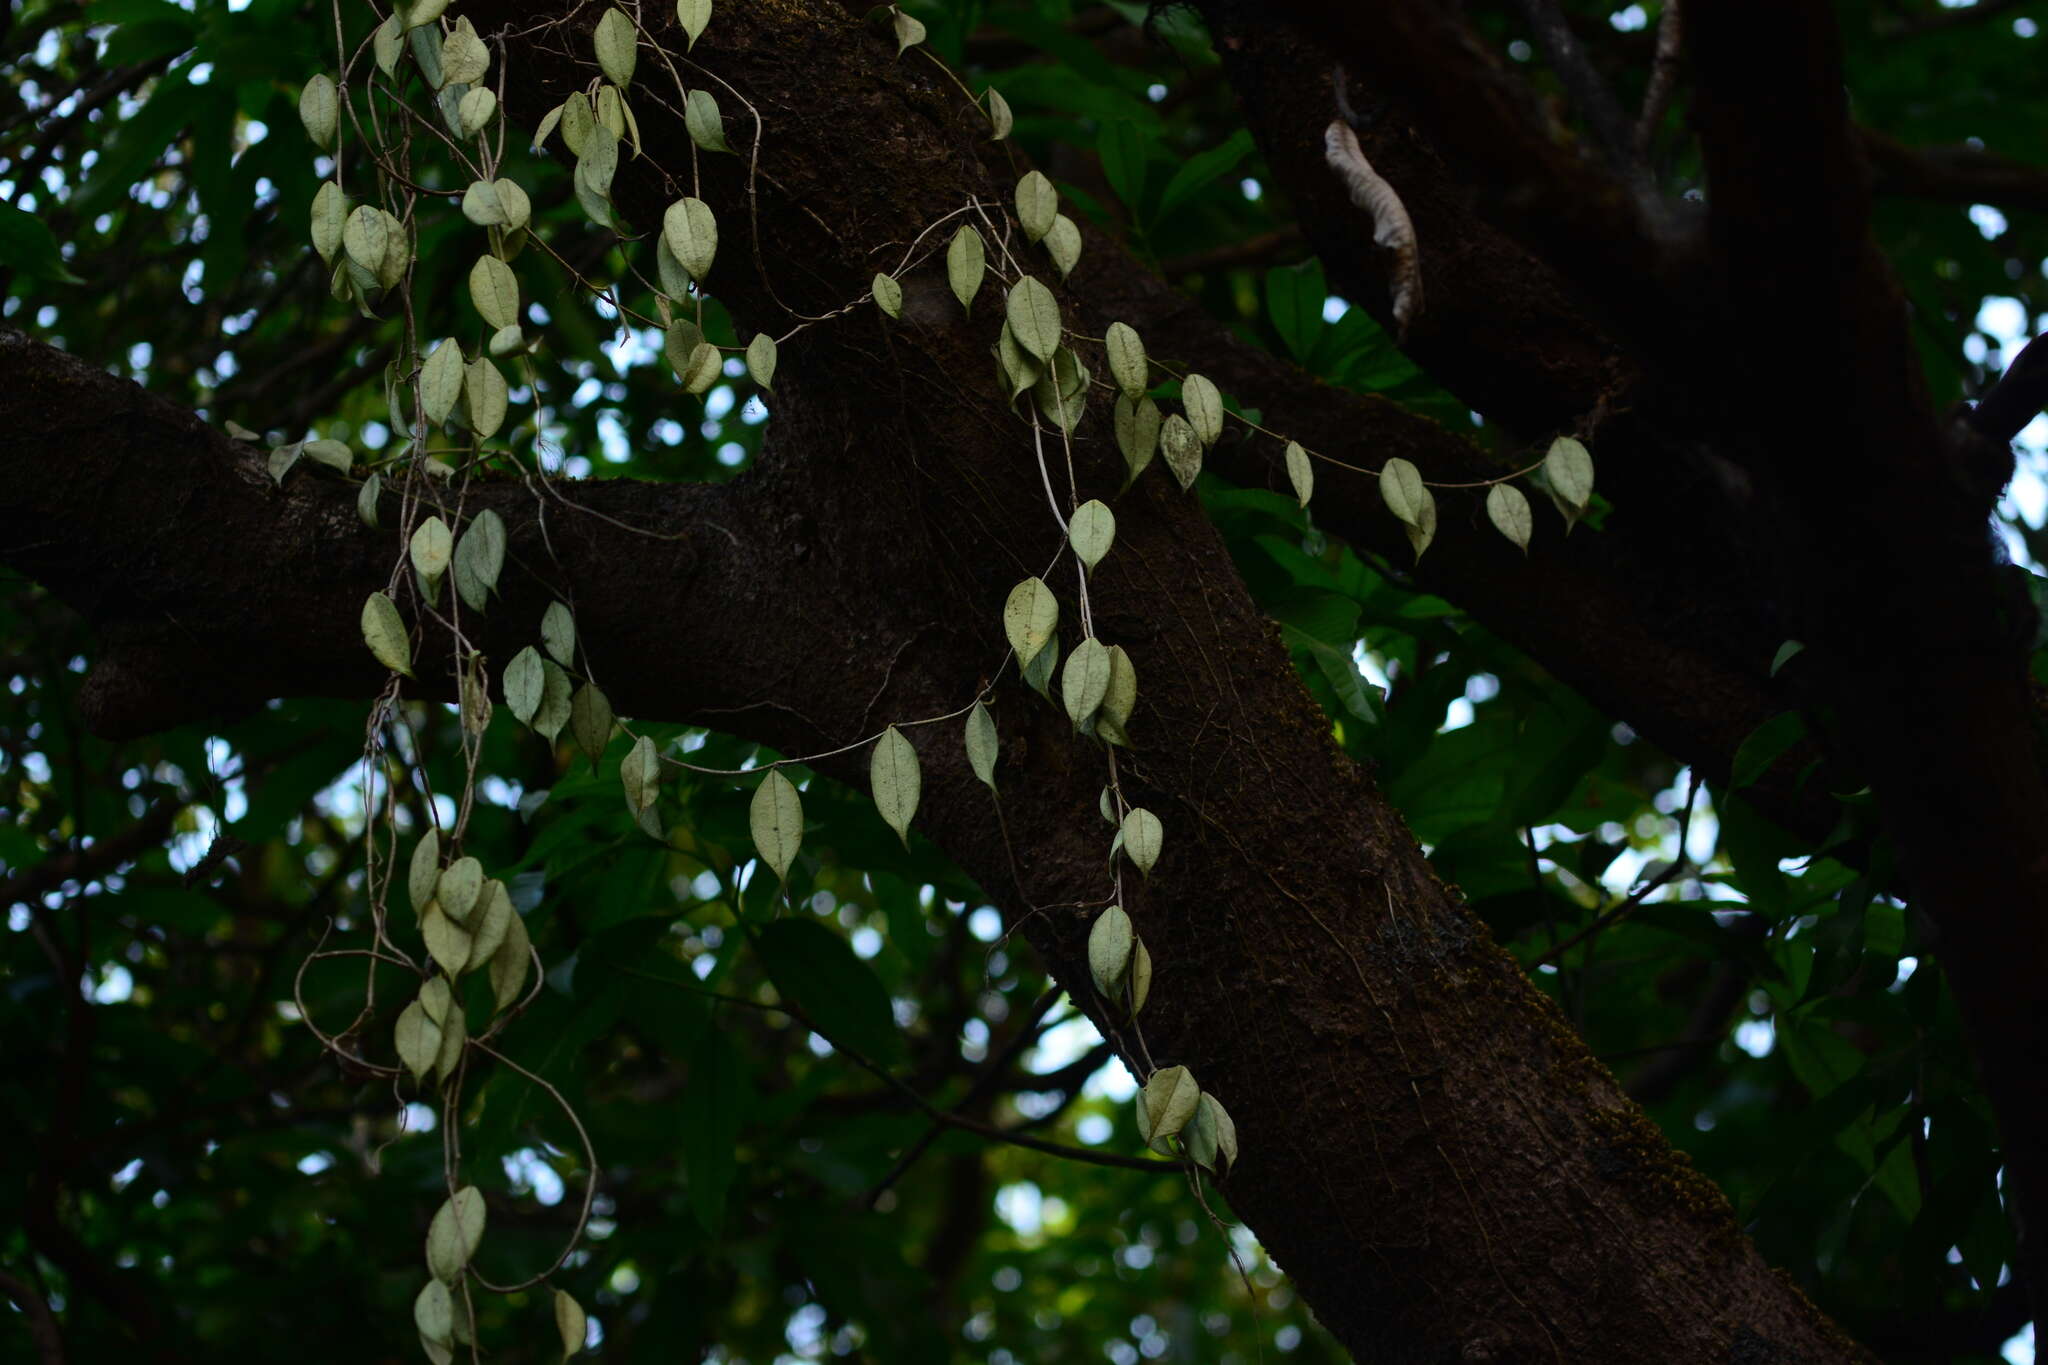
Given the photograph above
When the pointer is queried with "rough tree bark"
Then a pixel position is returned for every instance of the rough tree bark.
(1428, 1150)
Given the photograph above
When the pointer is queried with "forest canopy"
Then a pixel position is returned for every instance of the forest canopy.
(1023, 680)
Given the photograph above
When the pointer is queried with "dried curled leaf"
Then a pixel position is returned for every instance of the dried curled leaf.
(1391, 226)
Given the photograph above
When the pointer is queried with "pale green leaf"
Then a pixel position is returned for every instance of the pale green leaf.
(419, 1040)
(547, 126)
(464, 58)
(558, 633)
(1109, 950)
(693, 15)
(365, 237)
(421, 12)
(1038, 673)
(553, 714)
(909, 31)
(761, 359)
(481, 204)
(894, 778)
(1030, 615)
(617, 46)
(319, 110)
(485, 395)
(1401, 488)
(432, 546)
(330, 216)
(691, 232)
(525, 681)
(888, 295)
(1119, 699)
(1141, 976)
(1085, 680)
(510, 964)
(1569, 468)
(1063, 244)
(983, 745)
(453, 1236)
(458, 887)
(447, 941)
(966, 263)
(706, 124)
(1300, 472)
(578, 118)
(1034, 317)
(494, 289)
(590, 721)
(479, 559)
(476, 110)
(611, 112)
(1038, 203)
(999, 117)
(570, 1323)
(640, 775)
(1143, 835)
(441, 380)
(388, 43)
(507, 342)
(1091, 530)
(1169, 1099)
(1138, 425)
(384, 633)
(333, 454)
(1019, 368)
(489, 924)
(423, 874)
(1182, 449)
(1204, 408)
(1508, 509)
(776, 817)
(513, 203)
(433, 1312)
(703, 368)
(1127, 365)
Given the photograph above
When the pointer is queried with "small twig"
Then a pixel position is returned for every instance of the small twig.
(1635, 898)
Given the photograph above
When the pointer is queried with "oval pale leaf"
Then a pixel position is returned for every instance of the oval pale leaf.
(1204, 408)
(776, 817)
(453, 1236)
(481, 204)
(433, 1312)
(1300, 473)
(1030, 616)
(423, 874)
(1038, 673)
(1143, 835)
(1034, 317)
(703, 368)
(480, 558)
(1182, 449)
(706, 124)
(513, 204)
(571, 1326)
(1091, 531)
(1401, 489)
(330, 216)
(909, 31)
(384, 633)
(447, 942)
(1141, 976)
(489, 923)
(761, 360)
(1127, 364)
(1120, 699)
(510, 964)
(691, 232)
(1109, 950)
(1170, 1097)
(693, 15)
(494, 289)
(476, 110)
(983, 745)
(640, 774)
(999, 116)
(1085, 680)
(618, 46)
(895, 780)
(558, 633)
(419, 1040)
(365, 237)
(888, 295)
(366, 500)
(458, 887)
(590, 721)
(1138, 424)
(1508, 509)
(319, 111)
(525, 681)
(464, 58)
(441, 380)
(553, 714)
(1569, 467)
(1038, 203)
(1063, 244)
(966, 263)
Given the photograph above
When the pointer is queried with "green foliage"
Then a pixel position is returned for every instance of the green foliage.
(734, 1035)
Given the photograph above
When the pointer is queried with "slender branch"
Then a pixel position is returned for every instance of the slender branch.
(42, 1323)
(1663, 80)
(1588, 91)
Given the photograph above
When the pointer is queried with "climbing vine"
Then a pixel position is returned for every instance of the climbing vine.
(412, 130)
